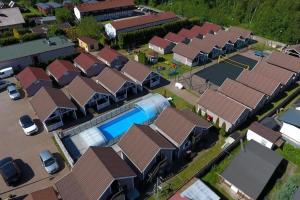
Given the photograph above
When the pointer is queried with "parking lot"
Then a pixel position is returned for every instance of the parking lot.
(25, 149)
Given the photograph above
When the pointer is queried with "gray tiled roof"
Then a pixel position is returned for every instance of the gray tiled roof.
(251, 169)
(33, 47)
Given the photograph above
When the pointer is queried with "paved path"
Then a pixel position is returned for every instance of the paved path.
(184, 94)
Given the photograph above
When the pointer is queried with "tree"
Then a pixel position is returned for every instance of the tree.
(88, 26)
(217, 123)
(16, 34)
(223, 130)
(54, 30)
(63, 15)
(142, 58)
(76, 2)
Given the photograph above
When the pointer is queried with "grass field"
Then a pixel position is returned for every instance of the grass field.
(190, 171)
(164, 61)
(262, 47)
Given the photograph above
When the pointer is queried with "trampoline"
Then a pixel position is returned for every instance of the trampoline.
(230, 68)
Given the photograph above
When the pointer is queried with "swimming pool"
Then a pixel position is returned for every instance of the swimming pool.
(122, 123)
(107, 132)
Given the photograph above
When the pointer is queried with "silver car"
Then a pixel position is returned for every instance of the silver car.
(13, 92)
(49, 162)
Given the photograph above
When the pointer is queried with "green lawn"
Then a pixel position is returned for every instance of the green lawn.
(169, 71)
(279, 100)
(164, 61)
(262, 47)
(177, 101)
(211, 178)
(190, 171)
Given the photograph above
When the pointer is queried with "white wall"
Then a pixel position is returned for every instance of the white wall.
(253, 136)
(291, 133)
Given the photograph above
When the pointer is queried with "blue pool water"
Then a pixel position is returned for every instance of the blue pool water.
(121, 124)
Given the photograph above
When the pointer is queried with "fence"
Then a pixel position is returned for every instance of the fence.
(99, 119)
(220, 156)
(63, 149)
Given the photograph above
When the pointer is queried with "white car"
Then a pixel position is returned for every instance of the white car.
(28, 126)
(13, 92)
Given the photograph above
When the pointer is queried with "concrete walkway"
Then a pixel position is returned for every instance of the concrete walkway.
(184, 94)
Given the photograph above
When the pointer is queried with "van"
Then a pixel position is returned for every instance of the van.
(6, 72)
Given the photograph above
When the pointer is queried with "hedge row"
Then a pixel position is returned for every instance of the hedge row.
(26, 37)
(131, 39)
(8, 41)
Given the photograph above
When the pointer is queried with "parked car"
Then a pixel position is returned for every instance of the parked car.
(259, 53)
(13, 92)
(49, 162)
(9, 170)
(6, 72)
(4, 84)
(27, 124)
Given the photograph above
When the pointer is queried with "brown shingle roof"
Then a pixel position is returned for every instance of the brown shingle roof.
(206, 28)
(59, 68)
(186, 50)
(111, 79)
(295, 47)
(225, 107)
(285, 61)
(177, 125)
(93, 174)
(108, 54)
(239, 32)
(86, 60)
(141, 20)
(173, 37)
(136, 70)
(47, 99)
(31, 74)
(265, 132)
(82, 89)
(274, 72)
(43, 194)
(188, 33)
(241, 93)
(204, 45)
(220, 39)
(259, 82)
(105, 5)
(160, 42)
(141, 143)
(87, 40)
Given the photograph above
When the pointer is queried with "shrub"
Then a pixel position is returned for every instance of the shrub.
(223, 130)
(217, 123)
(8, 41)
(288, 189)
(7, 34)
(31, 36)
(142, 58)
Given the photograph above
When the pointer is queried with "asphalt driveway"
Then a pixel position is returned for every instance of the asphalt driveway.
(25, 149)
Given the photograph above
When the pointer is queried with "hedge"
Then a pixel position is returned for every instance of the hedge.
(31, 36)
(134, 38)
(8, 41)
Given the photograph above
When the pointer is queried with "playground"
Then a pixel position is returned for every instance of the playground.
(226, 68)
